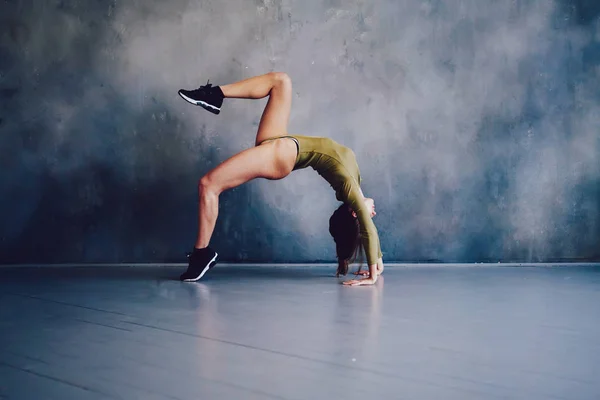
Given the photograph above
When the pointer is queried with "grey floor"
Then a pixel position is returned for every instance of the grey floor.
(470, 332)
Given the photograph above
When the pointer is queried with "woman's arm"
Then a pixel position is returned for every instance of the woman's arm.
(371, 279)
(369, 236)
(368, 280)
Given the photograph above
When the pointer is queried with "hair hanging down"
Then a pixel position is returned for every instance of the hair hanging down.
(344, 229)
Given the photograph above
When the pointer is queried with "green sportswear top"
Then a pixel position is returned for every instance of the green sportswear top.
(337, 165)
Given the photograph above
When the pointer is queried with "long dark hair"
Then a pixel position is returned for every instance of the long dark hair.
(344, 229)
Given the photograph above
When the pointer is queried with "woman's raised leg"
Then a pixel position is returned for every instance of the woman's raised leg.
(276, 85)
(275, 117)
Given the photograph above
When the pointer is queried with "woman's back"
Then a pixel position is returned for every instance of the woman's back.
(333, 161)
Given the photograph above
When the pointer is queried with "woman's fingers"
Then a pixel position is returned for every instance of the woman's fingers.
(359, 282)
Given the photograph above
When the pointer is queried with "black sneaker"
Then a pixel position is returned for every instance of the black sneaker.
(200, 261)
(208, 97)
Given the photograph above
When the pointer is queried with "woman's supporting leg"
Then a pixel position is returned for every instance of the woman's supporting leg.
(270, 161)
(273, 160)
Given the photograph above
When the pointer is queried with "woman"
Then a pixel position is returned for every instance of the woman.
(275, 156)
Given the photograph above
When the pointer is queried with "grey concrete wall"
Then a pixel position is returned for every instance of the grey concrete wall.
(475, 123)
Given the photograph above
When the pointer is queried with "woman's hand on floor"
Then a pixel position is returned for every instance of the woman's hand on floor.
(373, 273)
(360, 282)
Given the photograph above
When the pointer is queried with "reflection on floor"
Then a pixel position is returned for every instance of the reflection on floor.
(447, 332)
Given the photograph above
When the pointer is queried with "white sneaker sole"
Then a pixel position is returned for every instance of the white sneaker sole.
(206, 268)
(199, 102)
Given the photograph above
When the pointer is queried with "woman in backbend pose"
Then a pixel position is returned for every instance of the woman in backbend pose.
(275, 155)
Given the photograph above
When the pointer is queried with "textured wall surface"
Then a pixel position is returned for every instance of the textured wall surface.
(476, 124)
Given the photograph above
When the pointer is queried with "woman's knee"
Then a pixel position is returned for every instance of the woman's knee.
(207, 185)
(281, 79)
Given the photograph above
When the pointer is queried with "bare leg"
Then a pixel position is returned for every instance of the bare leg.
(275, 117)
(272, 160)
(256, 87)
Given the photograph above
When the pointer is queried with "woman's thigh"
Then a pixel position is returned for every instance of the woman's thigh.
(267, 161)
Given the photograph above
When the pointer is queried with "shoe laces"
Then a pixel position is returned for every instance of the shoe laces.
(206, 87)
